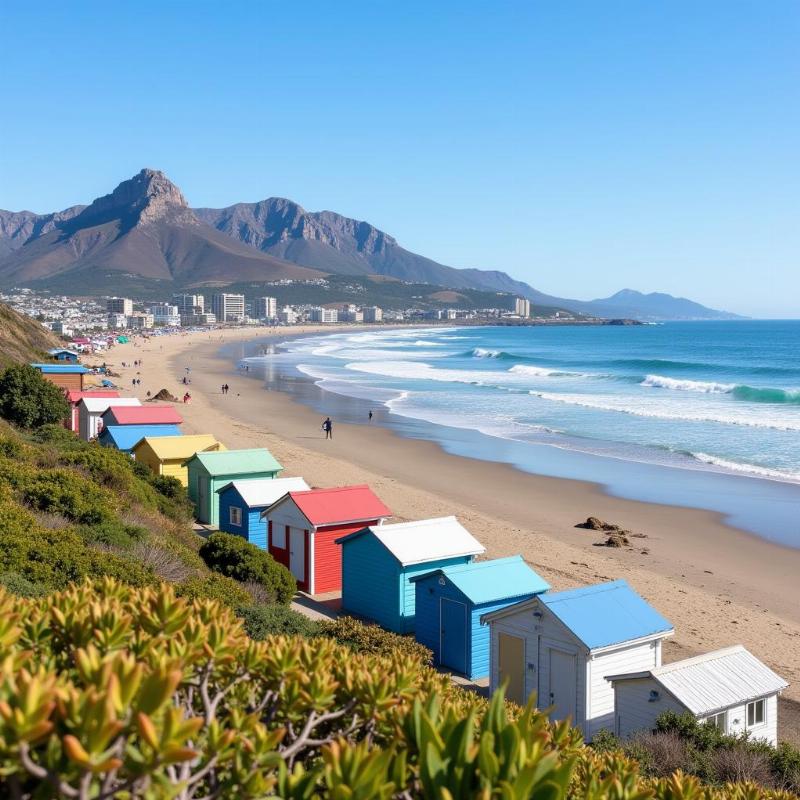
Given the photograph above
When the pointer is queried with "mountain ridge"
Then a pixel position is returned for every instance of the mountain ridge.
(145, 229)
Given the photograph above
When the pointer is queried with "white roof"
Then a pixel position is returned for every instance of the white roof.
(102, 404)
(714, 681)
(427, 540)
(265, 491)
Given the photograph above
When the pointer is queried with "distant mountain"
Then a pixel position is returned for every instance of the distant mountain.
(144, 227)
(144, 233)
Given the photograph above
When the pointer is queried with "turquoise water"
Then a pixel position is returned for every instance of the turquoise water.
(688, 413)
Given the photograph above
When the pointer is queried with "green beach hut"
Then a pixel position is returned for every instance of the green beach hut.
(209, 471)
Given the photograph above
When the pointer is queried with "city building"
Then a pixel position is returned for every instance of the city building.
(373, 314)
(228, 307)
(141, 321)
(324, 315)
(119, 305)
(117, 321)
(189, 303)
(522, 307)
(287, 315)
(61, 329)
(265, 308)
(165, 314)
(198, 319)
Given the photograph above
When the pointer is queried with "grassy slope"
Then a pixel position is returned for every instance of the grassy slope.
(22, 339)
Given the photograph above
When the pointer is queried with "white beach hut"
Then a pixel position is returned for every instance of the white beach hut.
(562, 646)
(90, 409)
(729, 688)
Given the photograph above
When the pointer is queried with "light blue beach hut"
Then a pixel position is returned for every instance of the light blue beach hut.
(451, 600)
(242, 502)
(124, 437)
(378, 563)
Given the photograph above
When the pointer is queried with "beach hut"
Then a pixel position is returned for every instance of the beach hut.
(75, 397)
(242, 502)
(451, 600)
(209, 471)
(563, 646)
(730, 689)
(141, 415)
(66, 376)
(124, 437)
(166, 455)
(70, 356)
(303, 528)
(378, 563)
(91, 409)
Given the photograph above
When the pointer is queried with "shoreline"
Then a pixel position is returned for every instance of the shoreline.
(718, 585)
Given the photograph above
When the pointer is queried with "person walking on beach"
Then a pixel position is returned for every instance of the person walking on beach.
(370, 415)
(327, 426)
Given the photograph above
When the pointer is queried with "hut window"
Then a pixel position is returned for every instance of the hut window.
(756, 713)
(235, 515)
(719, 721)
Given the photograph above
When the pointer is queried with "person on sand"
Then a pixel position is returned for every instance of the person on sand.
(327, 426)
(370, 415)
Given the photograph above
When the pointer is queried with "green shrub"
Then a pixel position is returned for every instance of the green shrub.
(263, 621)
(61, 491)
(215, 587)
(19, 585)
(28, 400)
(113, 533)
(235, 557)
(372, 639)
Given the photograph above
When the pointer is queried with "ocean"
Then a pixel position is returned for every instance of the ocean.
(703, 414)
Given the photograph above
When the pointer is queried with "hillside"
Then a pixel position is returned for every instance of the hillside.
(22, 339)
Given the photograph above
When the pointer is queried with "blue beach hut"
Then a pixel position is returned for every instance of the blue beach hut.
(124, 437)
(451, 600)
(242, 502)
(379, 562)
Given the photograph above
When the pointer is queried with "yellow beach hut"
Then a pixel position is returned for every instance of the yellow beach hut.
(165, 455)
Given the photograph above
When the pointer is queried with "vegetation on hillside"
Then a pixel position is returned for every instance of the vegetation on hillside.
(27, 400)
(22, 339)
(108, 691)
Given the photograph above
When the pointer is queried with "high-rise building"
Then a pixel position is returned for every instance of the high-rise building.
(141, 321)
(522, 307)
(119, 305)
(287, 315)
(228, 307)
(116, 321)
(372, 314)
(189, 303)
(165, 314)
(324, 315)
(265, 308)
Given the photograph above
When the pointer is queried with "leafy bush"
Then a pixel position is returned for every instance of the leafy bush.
(19, 585)
(372, 639)
(235, 557)
(109, 692)
(263, 621)
(28, 400)
(113, 533)
(220, 588)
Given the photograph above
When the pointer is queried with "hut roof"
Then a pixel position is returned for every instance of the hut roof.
(237, 462)
(491, 581)
(423, 540)
(339, 505)
(96, 404)
(61, 369)
(264, 491)
(169, 448)
(124, 437)
(144, 415)
(714, 681)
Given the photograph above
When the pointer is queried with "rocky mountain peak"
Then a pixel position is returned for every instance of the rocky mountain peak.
(147, 197)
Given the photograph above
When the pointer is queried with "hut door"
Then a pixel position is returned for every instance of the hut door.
(511, 662)
(202, 499)
(297, 554)
(453, 634)
(563, 686)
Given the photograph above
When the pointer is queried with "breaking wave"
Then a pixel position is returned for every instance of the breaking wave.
(747, 469)
(750, 394)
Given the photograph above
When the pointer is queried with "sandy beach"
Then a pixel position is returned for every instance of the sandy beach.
(718, 586)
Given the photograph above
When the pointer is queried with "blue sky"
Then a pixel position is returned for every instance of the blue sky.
(581, 146)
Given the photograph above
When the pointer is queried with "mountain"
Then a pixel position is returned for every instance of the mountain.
(144, 228)
(144, 234)
(629, 303)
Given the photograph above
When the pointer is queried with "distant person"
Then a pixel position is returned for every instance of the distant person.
(227, 388)
(327, 426)
(370, 415)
